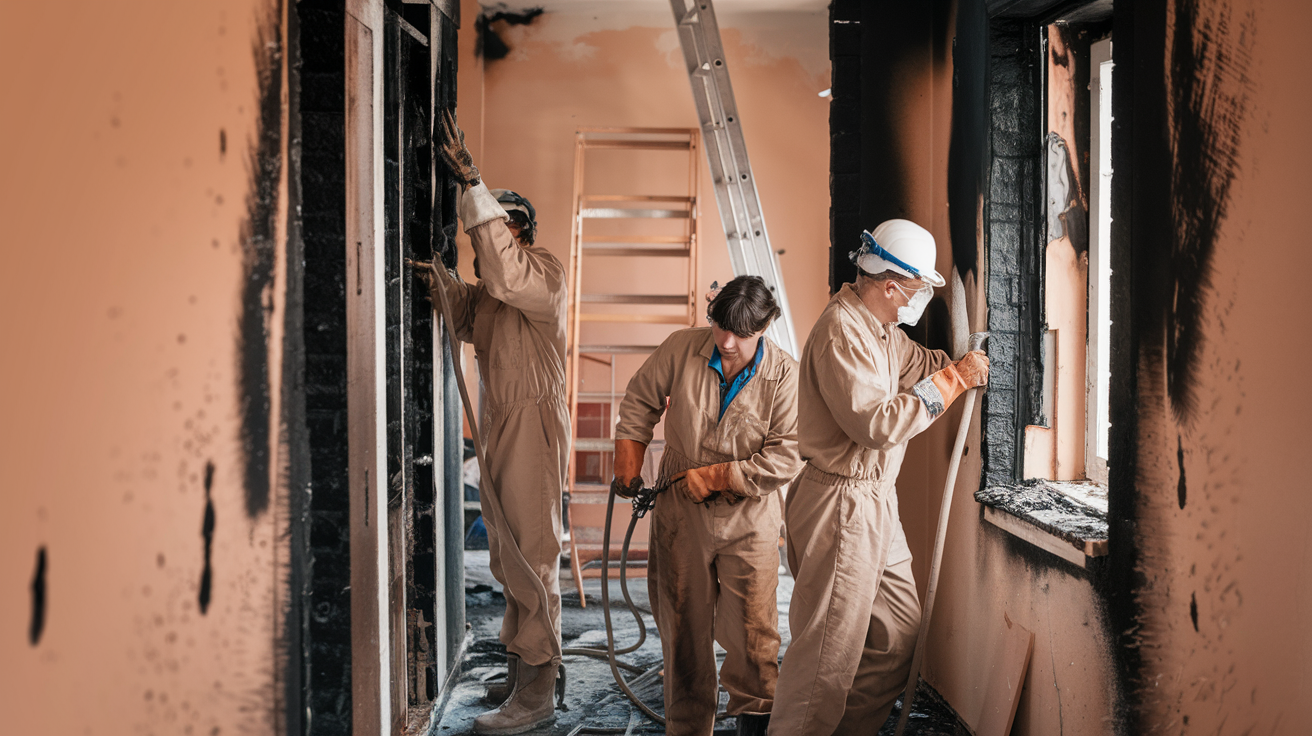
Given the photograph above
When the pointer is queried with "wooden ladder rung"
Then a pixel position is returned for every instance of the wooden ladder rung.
(617, 349)
(628, 252)
(653, 299)
(609, 239)
(635, 213)
(649, 319)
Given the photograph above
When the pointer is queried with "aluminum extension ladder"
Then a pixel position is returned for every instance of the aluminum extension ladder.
(722, 134)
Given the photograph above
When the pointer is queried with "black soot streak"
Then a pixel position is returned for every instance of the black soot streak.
(258, 243)
(207, 534)
(38, 598)
(1193, 609)
(1208, 87)
(488, 44)
(1179, 458)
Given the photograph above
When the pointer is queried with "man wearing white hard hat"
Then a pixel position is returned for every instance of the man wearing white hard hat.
(864, 390)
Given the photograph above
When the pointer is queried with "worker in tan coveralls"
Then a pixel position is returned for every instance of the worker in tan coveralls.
(515, 317)
(865, 390)
(731, 442)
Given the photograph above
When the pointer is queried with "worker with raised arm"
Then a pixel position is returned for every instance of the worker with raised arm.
(730, 444)
(515, 317)
(865, 390)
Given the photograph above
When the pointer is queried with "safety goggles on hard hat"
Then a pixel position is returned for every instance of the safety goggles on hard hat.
(870, 247)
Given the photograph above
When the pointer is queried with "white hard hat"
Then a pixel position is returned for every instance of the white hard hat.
(900, 246)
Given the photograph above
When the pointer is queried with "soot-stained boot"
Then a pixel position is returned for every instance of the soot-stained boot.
(753, 724)
(497, 692)
(530, 704)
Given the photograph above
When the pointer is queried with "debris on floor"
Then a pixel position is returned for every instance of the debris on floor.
(593, 699)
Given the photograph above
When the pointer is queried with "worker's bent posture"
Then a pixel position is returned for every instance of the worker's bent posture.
(731, 442)
(515, 316)
(865, 389)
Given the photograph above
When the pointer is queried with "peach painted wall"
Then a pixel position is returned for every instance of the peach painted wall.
(584, 64)
(1225, 497)
(119, 306)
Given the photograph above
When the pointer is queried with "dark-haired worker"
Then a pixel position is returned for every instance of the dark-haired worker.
(730, 443)
(515, 317)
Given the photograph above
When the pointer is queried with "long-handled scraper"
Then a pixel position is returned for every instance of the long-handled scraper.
(960, 328)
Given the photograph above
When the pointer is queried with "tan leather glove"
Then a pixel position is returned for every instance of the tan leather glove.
(451, 146)
(969, 372)
(628, 468)
(699, 484)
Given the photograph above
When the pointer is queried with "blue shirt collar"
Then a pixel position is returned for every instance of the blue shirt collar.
(728, 391)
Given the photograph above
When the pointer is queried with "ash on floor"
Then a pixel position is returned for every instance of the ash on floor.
(591, 696)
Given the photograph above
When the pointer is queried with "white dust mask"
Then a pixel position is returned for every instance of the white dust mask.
(916, 303)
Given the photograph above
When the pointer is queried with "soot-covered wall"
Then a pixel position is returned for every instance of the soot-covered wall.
(1212, 163)
(145, 568)
(320, 107)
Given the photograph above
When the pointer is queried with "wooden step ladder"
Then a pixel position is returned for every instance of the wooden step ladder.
(651, 237)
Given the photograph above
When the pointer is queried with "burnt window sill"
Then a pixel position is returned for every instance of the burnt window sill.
(1066, 518)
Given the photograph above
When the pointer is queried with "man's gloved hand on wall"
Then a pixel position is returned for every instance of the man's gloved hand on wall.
(455, 155)
(628, 468)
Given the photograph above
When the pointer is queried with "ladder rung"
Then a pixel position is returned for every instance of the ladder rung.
(594, 444)
(608, 239)
(639, 145)
(612, 130)
(625, 252)
(611, 213)
(679, 299)
(617, 349)
(654, 319)
(637, 198)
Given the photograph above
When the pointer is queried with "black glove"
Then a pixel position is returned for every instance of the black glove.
(624, 491)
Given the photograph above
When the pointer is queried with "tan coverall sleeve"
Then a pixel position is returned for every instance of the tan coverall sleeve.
(918, 361)
(523, 278)
(779, 460)
(860, 404)
(644, 399)
(463, 298)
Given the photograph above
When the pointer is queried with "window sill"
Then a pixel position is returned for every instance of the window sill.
(1068, 519)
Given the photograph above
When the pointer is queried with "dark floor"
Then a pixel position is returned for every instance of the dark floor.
(592, 697)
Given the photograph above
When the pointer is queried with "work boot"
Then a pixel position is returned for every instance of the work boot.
(497, 692)
(753, 724)
(530, 704)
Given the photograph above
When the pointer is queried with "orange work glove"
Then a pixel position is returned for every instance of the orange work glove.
(969, 372)
(628, 468)
(699, 483)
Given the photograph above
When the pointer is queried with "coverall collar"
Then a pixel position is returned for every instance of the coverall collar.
(730, 389)
(848, 297)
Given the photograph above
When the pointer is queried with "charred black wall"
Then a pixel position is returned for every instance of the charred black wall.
(873, 71)
(1013, 219)
(322, 182)
(845, 224)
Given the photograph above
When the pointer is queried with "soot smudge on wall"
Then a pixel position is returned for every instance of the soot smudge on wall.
(1207, 87)
(258, 243)
(207, 534)
(38, 624)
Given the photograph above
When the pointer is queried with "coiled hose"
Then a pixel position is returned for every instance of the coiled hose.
(641, 504)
